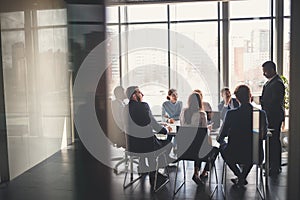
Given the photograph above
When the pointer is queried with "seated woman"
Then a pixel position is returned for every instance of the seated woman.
(206, 106)
(171, 109)
(194, 115)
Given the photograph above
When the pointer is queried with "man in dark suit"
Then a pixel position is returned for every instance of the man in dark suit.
(140, 128)
(272, 101)
(238, 127)
(227, 103)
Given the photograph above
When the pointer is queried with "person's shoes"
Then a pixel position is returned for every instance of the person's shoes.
(204, 174)
(197, 180)
(172, 164)
(242, 182)
(236, 181)
(274, 172)
(161, 179)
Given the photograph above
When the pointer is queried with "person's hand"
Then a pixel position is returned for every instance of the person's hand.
(171, 121)
(169, 128)
(209, 127)
(163, 124)
(227, 100)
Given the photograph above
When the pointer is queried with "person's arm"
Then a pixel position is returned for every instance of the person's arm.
(154, 124)
(208, 111)
(203, 123)
(225, 128)
(222, 109)
(203, 119)
(164, 114)
(278, 93)
(182, 117)
(178, 111)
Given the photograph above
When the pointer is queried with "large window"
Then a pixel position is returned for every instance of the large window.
(249, 41)
(286, 38)
(185, 67)
(145, 13)
(147, 66)
(250, 8)
(198, 70)
(286, 48)
(194, 11)
(249, 48)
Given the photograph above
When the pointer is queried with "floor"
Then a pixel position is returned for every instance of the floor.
(73, 173)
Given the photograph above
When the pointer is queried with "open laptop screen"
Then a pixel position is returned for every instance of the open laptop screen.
(215, 119)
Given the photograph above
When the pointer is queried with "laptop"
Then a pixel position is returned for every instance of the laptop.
(215, 119)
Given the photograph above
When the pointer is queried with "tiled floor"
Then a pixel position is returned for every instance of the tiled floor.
(74, 174)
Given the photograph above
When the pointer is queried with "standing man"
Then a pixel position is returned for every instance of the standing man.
(272, 101)
(227, 103)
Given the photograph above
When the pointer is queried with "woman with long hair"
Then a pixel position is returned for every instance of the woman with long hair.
(194, 115)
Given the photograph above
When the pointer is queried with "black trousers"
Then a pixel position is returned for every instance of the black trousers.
(234, 165)
(151, 165)
(275, 147)
(210, 159)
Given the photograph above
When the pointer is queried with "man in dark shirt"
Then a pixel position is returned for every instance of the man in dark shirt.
(272, 101)
(140, 128)
(238, 127)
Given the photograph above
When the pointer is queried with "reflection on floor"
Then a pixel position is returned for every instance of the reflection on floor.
(74, 174)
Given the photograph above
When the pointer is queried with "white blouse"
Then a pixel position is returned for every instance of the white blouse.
(198, 119)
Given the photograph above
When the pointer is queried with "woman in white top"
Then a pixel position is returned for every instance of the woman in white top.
(194, 115)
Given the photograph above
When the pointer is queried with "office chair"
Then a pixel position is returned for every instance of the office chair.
(134, 145)
(118, 139)
(192, 145)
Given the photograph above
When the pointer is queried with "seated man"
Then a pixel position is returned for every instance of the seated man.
(140, 127)
(227, 103)
(238, 128)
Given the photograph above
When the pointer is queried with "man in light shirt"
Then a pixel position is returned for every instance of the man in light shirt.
(227, 103)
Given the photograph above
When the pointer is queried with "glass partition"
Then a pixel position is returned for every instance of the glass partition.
(36, 85)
